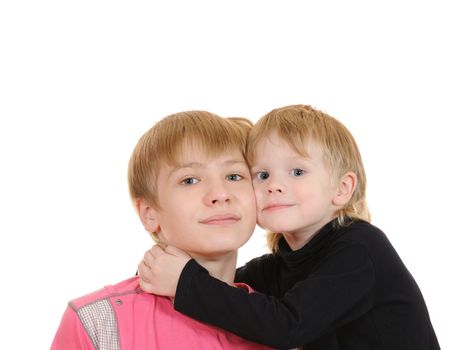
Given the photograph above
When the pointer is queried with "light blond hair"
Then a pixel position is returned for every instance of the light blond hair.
(298, 125)
(163, 144)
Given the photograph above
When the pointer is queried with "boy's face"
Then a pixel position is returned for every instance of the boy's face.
(207, 204)
(294, 193)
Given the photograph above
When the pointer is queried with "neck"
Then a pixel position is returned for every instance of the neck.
(298, 239)
(295, 240)
(222, 267)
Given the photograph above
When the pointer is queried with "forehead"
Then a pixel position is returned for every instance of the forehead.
(190, 153)
(274, 142)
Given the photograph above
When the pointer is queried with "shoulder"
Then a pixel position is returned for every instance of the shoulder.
(373, 241)
(128, 286)
(363, 232)
(360, 226)
(94, 317)
(90, 320)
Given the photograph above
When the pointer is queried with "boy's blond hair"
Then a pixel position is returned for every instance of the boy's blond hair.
(298, 125)
(163, 144)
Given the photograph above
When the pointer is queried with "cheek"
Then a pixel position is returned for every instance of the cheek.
(251, 201)
(248, 206)
(176, 235)
(259, 197)
(252, 217)
(173, 222)
(259, 220)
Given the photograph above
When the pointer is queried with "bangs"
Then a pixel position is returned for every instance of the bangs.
(289, 125)
(203, 130)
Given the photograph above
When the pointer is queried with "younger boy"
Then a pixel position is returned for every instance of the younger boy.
(191, 187)
(333, 281)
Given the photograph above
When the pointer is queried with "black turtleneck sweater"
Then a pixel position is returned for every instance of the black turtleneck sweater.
(345, 289)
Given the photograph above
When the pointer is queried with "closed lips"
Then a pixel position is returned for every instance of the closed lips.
(220, 219)
(276, 206)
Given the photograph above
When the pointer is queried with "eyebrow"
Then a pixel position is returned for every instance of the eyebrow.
(199, 165)
(292, 159)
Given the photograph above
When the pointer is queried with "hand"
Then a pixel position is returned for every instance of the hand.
(160, 269)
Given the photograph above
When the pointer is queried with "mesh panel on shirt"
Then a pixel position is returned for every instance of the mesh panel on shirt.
(99, 321)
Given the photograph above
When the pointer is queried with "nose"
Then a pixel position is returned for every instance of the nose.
(274, 189)
(217, 194)
(274, 186)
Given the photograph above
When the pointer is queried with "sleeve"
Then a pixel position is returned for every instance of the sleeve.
(254, 273)
(338, 291)
(71, 335)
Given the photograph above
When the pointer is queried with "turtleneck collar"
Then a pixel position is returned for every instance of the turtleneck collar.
(311, 250)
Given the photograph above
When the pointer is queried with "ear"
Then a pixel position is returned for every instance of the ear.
(147, 214)
(346, 188)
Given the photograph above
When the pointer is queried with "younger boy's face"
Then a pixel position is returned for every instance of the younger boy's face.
(207, 204)
(294, 193)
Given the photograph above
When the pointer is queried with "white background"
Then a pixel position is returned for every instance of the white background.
(81, 81)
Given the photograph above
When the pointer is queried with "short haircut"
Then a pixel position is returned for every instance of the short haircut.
(163, 143)
(298, 125)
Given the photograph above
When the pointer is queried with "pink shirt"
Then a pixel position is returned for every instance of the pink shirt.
(122, 316)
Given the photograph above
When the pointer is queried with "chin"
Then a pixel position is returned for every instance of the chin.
(275, 227)
(213, 248)
(215, 255)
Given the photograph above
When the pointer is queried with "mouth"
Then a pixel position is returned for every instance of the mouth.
(220, 220)
(277, 206)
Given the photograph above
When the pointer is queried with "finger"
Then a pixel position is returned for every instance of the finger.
(144, 271)
(147, 287)
(157, 251)
(148, 259)
(162, 245)
(143, 267)
(158, 245)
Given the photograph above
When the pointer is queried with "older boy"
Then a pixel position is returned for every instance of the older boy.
(191, 187)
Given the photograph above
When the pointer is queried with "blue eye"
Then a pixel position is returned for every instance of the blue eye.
(234, 177)
(261, 175)
(189, 181)
(297, 172)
